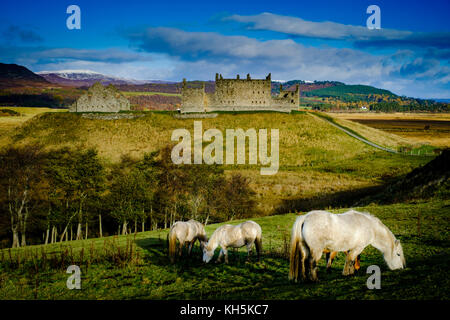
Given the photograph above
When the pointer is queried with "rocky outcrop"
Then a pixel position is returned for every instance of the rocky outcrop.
(101, 99)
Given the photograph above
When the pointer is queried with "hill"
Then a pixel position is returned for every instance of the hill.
(13, 75)
(348, 92)
(315, 157)
(432, 179)
(303, 85)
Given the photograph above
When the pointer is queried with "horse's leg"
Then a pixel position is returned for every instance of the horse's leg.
(181, 248)
(327, 259)
(348, 267)
(225, 252)
(191, 244)
(314, 258)
(329, 256)
(350, 261)
(249, 250)
(219, 259)
(358, 262)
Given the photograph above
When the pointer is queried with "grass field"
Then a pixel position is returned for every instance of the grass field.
(7, 124)
(146, 273)
(315, 157)
(419, 128)
(148, 93)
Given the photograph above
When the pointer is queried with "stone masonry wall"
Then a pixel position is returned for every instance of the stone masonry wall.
(100, 99)
(238, 95)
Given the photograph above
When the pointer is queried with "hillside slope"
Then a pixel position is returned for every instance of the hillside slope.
(315, 158)
(304, 139)
(346, 90)
(12, 75)
(432, 179)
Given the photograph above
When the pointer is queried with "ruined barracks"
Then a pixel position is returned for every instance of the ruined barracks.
(238, 95)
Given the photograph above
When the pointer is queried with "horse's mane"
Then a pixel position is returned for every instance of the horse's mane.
(374, 218)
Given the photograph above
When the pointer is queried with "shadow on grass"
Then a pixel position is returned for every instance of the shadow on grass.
(341, 199)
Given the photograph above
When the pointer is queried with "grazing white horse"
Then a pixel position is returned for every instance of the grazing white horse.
(351, 231)
(186, 233)
(229, 236)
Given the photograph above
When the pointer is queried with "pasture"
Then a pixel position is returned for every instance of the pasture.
(137, 266)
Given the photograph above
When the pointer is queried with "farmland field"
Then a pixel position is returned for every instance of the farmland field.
(433, 129)
(146, 273)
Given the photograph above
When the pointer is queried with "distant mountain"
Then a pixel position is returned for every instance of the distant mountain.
(82, 78)
(13, 75)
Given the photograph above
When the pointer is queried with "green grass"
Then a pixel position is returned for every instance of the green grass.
(422, 227)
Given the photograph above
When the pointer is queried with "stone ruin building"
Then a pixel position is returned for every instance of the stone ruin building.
(101, 99)
(238, 95)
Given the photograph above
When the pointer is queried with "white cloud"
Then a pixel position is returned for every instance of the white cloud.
(323, 30)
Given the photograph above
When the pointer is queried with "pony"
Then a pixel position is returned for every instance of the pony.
(187, 233)
(229, 236)
(351, 231)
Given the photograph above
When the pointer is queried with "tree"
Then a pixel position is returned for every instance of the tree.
(77, 180)
(238, 198)
(132, 186)
(21, 184)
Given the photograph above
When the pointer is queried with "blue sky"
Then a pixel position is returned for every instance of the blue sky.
(171, 40)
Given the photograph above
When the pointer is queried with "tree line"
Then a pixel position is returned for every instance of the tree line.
(49, 196)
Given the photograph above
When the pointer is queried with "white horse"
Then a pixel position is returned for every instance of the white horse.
(186, 233)
(351, 231)
(229, 236)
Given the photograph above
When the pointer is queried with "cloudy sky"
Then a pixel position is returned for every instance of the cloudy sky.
(171, 40)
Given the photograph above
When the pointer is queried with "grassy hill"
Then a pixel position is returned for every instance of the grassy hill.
(348, 92)
(12, 75)
(137, 266)
(315, 158)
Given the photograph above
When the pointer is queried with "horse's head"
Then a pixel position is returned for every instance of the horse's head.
(397, 258)
(207, 253)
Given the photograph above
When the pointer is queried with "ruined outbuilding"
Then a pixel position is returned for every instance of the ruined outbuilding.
(101, 99)
(238, 95)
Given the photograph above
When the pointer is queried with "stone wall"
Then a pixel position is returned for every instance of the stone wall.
(101, 99)
(238, 95)
(193, 99)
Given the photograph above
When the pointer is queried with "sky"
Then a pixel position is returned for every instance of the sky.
(172, 40)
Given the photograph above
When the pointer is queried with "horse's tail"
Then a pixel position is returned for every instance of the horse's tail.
(297, 251)
(172, 244)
